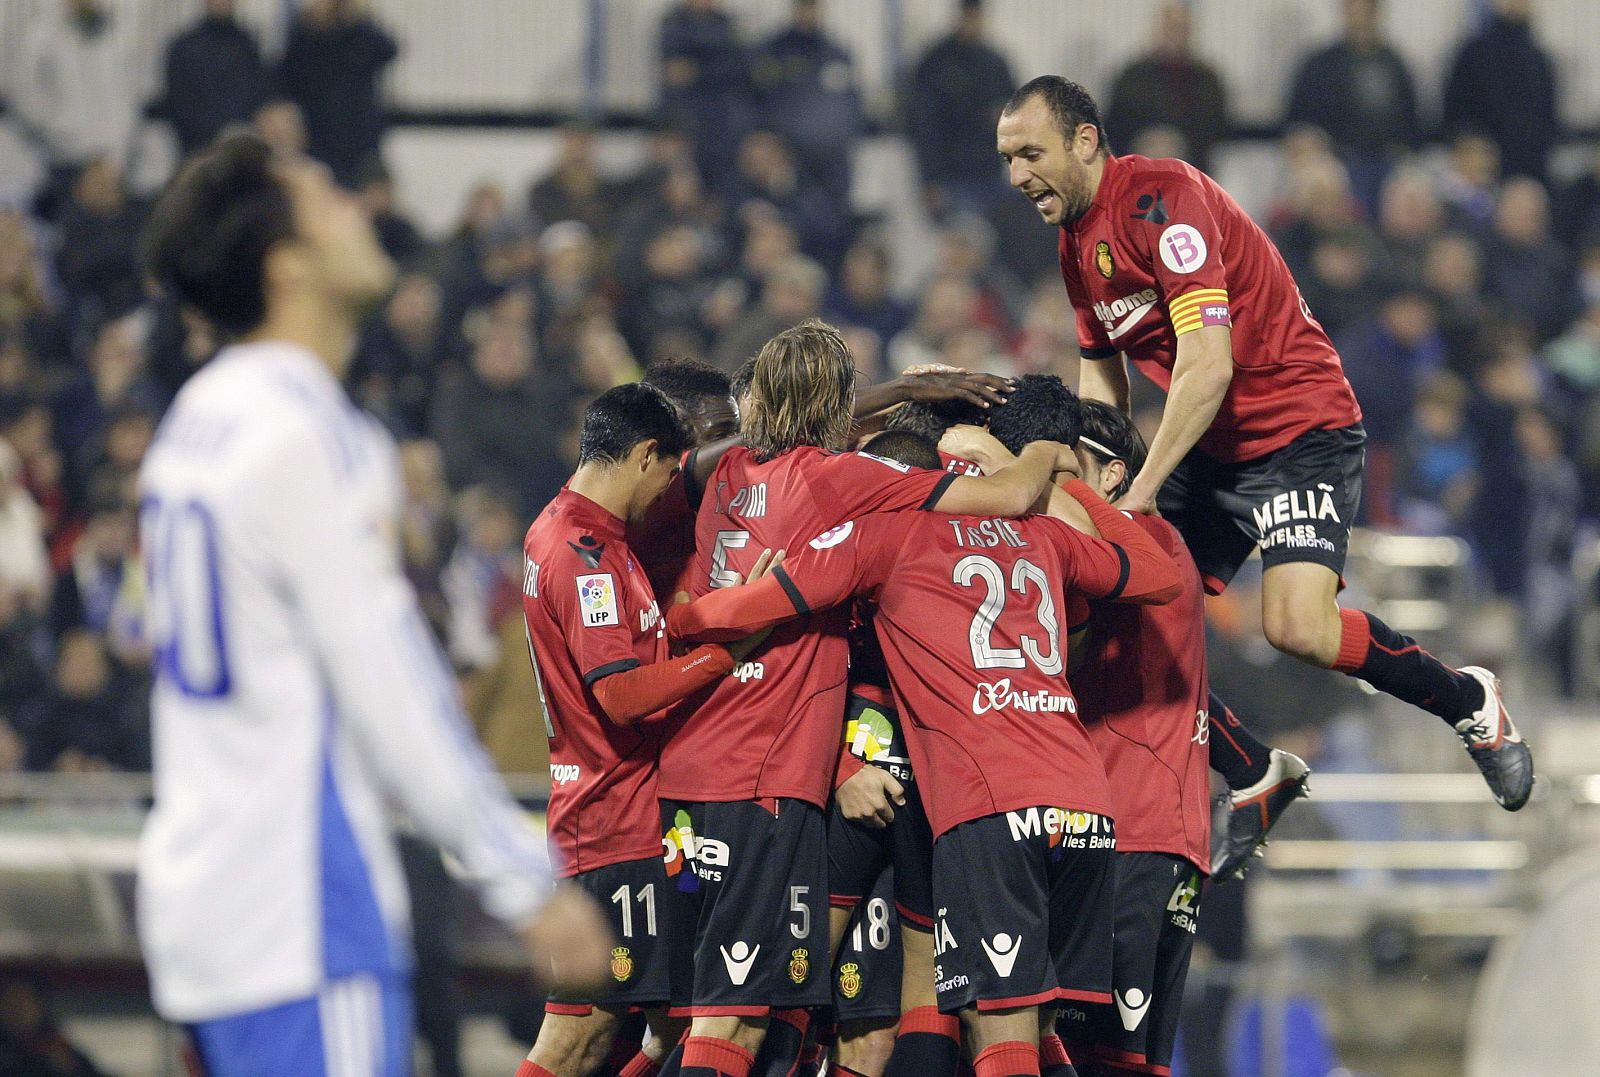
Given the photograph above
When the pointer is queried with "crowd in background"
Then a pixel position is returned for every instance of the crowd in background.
(1460, 281)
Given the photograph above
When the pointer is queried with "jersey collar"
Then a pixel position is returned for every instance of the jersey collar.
(588, 514)
(1110, 177)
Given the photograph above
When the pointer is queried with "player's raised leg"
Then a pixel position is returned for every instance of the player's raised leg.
(1301, 616)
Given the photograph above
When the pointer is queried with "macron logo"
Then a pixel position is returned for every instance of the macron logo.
(1003, 954)
(1131, 1006)
(739, 960)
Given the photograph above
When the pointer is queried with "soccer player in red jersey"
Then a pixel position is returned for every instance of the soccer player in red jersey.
(605, 677)
(1146, 702)
(1261, 443)
(970, 629)
(745, 780)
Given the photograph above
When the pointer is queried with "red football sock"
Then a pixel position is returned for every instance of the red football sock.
(1398, 665)
(707, 1056)
(530, 1069)
(641, 1066)
(1054, 1061)
(928, 1044)
(1010, 1059)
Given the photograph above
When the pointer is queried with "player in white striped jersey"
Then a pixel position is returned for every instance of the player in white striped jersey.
(299, 698)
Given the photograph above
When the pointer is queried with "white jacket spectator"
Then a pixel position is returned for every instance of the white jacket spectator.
(78, 85)
(24, 564)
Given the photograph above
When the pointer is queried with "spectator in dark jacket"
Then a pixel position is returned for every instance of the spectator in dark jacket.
(330, 68)
(98, 260)
(806, 87)
(1527, 270)
(214, 77)
(1169, 87)
(493, 421)
(1503, 82)
(705, 85)
(957, 92)
(1359, 91)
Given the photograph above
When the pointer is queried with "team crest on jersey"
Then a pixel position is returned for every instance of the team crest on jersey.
(850, 979)
(799, 966)
(621, 964)
(598, 596)
(1103, 261)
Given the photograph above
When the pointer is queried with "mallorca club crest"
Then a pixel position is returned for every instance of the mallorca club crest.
(799, 966)
(621, 964)
(1103, 261)
(850, 979)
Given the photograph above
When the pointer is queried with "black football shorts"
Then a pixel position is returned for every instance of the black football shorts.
(634, 895)
(1157, 913)
(867, 969)
(1296, 503)
(749, 882)
(1023, 910)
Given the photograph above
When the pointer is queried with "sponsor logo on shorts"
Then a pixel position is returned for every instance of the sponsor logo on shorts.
(1279, 520)
(739, 961)
(849, 979)
(1181, 903)
(943, 939)
(999, 695)
(598, 596)
(1072, 1013)
(564, 773)
(621, 964)
(706, 857)
(745, 672)
(1132, 1005)
(1071, 829)
(799, 965)
(942, 985)
(1003, 953)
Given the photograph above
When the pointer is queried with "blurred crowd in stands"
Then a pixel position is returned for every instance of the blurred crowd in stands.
(1460, 281)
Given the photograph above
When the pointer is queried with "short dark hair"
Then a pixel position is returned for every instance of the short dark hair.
(623, 416)
(1069, 103)
(691, 384)
(208, 239)
(1039, 407)
(932, 420)
(905, 447)
(739, 383)
(1112, 429)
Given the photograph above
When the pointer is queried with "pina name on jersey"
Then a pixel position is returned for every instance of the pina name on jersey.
(988, 534)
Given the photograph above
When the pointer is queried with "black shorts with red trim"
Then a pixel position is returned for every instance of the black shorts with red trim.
(1024, 904)
(1157, 914)
(749, 884)
(1296, 503)
(633, 895)
(859, 855)
(867, 969)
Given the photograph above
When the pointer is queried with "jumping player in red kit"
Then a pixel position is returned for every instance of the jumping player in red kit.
(1261, 443)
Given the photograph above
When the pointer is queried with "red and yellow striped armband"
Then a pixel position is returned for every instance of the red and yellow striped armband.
(1204, 306)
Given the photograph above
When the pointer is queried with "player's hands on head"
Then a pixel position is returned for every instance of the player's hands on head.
(869, 797)
(569, 942)
(978, 445)
(936, 386)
